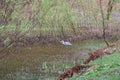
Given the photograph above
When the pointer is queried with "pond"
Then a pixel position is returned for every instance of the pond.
(43, 62)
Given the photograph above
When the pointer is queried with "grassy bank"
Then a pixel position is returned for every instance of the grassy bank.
(109, 69)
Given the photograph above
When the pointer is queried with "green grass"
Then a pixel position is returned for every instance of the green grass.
(109, 69)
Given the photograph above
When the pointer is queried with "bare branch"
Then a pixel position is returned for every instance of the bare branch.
(103, 23)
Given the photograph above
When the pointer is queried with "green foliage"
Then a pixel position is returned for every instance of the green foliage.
(1, 28)
(118, 0)
(47, 15)
(55, 11)
(7, 40)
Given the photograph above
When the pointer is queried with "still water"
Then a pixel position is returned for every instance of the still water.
(43, 62)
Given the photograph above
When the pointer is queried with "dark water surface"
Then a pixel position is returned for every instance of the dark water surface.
(39, 62)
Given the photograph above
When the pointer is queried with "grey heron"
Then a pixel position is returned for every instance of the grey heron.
(66, 43)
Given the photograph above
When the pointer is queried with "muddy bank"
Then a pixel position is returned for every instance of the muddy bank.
(86, 32)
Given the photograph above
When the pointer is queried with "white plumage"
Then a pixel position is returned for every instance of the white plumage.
(66, 43)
